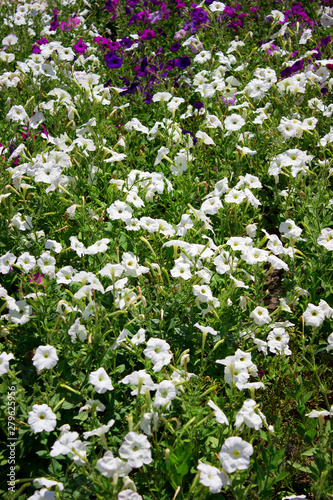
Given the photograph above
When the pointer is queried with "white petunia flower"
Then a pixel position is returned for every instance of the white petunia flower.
(129, 494)
(278, 340)
(17, 114)
(108, 465)
(77, 331)
(217, 7)
(204, 138)
(77, 246)
(157, 351)
(21, 222)
(141, 379)
(41, 418)
(330, 343)
(6, 262)
(203, 293)
(101, 381)
(206, 329)
(211, 476)
(4, 362)
(119, 211)
(325, 238)
(181, 270)
(162, 97)
(250, 416)
(99, 431)
(235, 454)
(136, 449)
(203, 57)
(45, 357)
(166, 392)
(234, 122)
(221, 418)
(53, 245)
(260, 316)
(21, 315)
(48, 483)
(314, 316)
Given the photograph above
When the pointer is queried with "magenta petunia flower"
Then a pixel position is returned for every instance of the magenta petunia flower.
(36, 278)
(80, 47)
(148, 34)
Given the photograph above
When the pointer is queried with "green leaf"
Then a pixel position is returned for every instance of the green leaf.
(182, 469)
(281, 476)
(42, 453)
(301, 468)
(212, 440)
(309, 453)
(311, 433)
(67, 405)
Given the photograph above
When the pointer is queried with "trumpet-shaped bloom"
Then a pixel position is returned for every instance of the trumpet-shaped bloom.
(4, 362)
(45, 357)
(260, 316)
(330, 343)
(17, 114)
(250, 416)
(162, 97)
(221, 418)
(140, 378)
(157, 351)
(166, 392)
(202, 292)
(136, 449)
(41, 418)
(234, 122)
(212, 477)
(235, 454)
(101, 381)
(112, 60)
(119, 210)
(129, 495)
(325, 238)
(21, 314)
(314, 316)
(109, 465)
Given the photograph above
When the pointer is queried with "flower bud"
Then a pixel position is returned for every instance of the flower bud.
(128, 484)
(242, 303)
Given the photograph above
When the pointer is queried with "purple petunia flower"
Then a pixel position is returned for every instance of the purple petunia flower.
(130, 90)
(110, 5)
(112, 60)
(183, 62)
(169, 65)
(54, 24)
(126, 42)
(175, 46)
(325, 41)
(148, 99)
